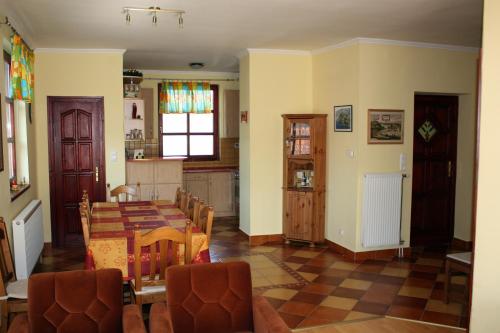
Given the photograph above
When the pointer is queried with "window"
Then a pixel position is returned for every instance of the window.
(194, 135)
(10, 120)
(17, 137)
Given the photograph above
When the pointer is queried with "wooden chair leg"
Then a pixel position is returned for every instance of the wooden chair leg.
(447, 282)
(5, 316)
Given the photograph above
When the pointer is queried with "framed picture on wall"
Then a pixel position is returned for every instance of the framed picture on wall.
(342, 118)
(385, 126)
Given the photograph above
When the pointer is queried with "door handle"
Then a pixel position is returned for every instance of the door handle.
(97, 174)
(449, 169)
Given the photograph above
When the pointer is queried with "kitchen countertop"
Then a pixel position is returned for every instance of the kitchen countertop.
(149, 159)
(223, 168)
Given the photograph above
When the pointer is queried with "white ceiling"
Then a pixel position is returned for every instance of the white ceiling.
(216, 31)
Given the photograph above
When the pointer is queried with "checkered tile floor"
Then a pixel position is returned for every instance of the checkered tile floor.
(312, 287)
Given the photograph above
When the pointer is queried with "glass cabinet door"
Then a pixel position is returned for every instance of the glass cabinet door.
(298, 141)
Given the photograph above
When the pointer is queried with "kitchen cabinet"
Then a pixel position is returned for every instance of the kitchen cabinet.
(159, 178)
(304, 167)
(197, 183)
(221, 193)
(215, 188)
(232, 113)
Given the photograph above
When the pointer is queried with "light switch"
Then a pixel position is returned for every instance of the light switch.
(349, 153)
(113, 156)
(402, 162)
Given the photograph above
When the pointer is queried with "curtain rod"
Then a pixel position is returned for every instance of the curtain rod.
(9, 24)
(188, 80)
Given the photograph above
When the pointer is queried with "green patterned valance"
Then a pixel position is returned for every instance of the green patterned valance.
(21, 70)
(186, 97)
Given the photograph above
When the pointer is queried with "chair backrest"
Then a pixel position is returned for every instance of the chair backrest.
(85, 196)
(94, 300)
(125, 192)
(178, 194)
(193, 209)
(206, 220)
(6, 263)
(185, 197)
(86, 201)
(229, 284)
(85, 219)
(159, 239)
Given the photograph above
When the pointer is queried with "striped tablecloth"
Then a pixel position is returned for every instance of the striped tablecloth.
(112, 234)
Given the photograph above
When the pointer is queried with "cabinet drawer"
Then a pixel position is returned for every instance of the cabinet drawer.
(200, 176)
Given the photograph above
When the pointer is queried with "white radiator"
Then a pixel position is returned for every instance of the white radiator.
(381, 217)
(27, 230)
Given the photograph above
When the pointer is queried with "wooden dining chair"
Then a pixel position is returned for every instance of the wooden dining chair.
(85, 219)
(86, 201)
(193, 210)
(151, 288)
(178, 194)
(13, 293)
(185, 197)
(124, 191)
(206, 220)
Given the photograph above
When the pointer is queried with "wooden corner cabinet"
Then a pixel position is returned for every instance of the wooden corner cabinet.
(304, 168)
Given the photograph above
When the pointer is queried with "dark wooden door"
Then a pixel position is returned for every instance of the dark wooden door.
(76, 162)
(434, 161)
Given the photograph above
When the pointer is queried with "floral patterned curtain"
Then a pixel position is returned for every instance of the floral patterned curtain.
(21, 70)
(186, 97)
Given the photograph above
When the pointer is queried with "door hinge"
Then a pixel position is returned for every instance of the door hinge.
(97, 174)
(449, 169)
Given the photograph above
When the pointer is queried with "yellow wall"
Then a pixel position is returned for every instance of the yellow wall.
(245, 176)
(78, 74)
(366, 76)
(336, 82)
(278, 84)
(8, 209)
(486, 292)
(205, 76)
(389, 78)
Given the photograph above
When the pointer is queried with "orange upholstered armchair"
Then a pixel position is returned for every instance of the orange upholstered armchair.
(78, 302)
(212, 298)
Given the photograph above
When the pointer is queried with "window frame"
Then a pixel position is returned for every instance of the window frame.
(9, 103)
(215, 133)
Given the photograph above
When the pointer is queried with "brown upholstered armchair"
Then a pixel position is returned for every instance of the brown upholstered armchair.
(213, 298)
(78, 302)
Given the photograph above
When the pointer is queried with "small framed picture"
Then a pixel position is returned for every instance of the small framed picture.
(244, 117)
(342, 118)
(385, 126)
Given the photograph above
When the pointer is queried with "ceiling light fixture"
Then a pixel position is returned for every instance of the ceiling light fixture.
(155, 10)
(196, 65)
(127, 17)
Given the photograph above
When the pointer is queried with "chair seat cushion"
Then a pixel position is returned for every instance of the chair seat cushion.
(18, 289)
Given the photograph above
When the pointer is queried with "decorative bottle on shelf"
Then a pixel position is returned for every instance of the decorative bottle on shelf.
(134, 111)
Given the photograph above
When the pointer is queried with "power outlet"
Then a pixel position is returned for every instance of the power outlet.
(341, 232)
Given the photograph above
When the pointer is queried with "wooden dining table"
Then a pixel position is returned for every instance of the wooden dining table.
(112, 234)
